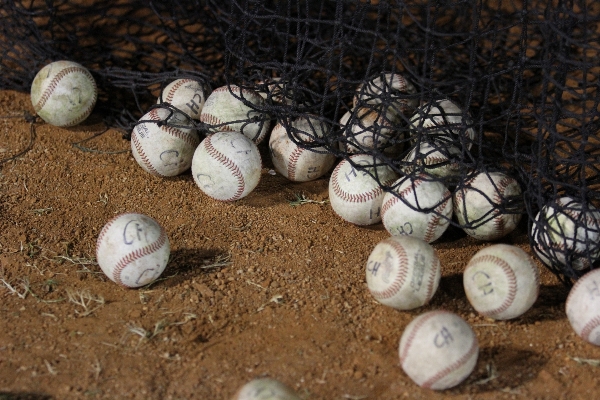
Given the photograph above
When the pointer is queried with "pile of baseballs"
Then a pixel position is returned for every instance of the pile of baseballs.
(438, 349)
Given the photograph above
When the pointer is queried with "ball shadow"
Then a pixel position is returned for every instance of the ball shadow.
(187, 263)
(24, 396)
(505, 367)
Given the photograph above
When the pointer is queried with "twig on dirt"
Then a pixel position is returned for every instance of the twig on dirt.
(588, 361)
(277, 299)
(351, 397)
(222, 260)
(96, 369)
(145, 288)
(143, 333)
(241, 228)
(50, 368)
(42, 211)
(13, 290)
(491, 372)
(248, 281)
(54, 317)
(302, 199)
(85, 299)
(103, 199)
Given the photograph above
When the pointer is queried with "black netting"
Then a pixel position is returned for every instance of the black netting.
(523, 75)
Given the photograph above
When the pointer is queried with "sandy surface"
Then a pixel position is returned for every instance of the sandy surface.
(253, 288)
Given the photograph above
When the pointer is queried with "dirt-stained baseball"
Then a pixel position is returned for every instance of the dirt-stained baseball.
(297, 163)
(418, 207)
(187, 95)
(132, 250)
(226, 166)
(163, 146)
(583, 307)
(443, 120)
(403, 272)
(392, 89)
(63, 93)
(232, 108)
(566, 232)
(367, 129)
(501, 281)
(438, 159)
(265, 389)
(438, 350)
(488, 205)
(354, 194)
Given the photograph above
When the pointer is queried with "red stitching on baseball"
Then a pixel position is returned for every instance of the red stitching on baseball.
(434, 222)
(229, 164)
(355, 198)
(174, 88)
(174, 131)
(104, 231)
(589, 327)
(137, 254)
(510, 276)
(140, 150)
(432, 274)
(415, 330)
(54, 83)
(458, 363)
(216, 122)
(395, 198)
(400, 277)
(293, 162)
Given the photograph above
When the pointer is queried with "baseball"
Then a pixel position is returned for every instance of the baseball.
(438, 350)
(501, 281)
(394, 90)
(436, 159)
(567, 233)
(443, 120)
(265, 389)
(583, 307)
(132, 250)
(187, 95)
(235, 110)
(417, 207)
(487, 205)
(63, 93)
(403, 272)
(300, 164)
(164, 147)
(354, 194)
(367, 129)
(226, 166)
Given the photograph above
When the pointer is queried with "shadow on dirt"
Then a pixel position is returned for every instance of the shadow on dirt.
(24, 396)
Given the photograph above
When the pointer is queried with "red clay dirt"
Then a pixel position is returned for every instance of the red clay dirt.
(254, 288)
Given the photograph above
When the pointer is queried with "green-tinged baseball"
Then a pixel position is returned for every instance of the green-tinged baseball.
(63, 93)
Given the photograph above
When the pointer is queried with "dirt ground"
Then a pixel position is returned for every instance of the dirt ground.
(253, 288)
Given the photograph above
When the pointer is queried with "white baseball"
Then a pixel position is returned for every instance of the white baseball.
(165, 147)
(391, 90)
(565, 233)
(479, 202)
(234, 111)
(583, 307)
(403, 272)
(187, 95)
(354, 194)
(132, 250)
(501, 281)
(437, 159)
(443, 120)
(300, 164)
(63, 93)
(438, 350)
(265, 389)
(417, 207)
(226, 166)
(367, 129)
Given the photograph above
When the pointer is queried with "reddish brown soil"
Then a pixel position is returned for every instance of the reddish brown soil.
(291, 304)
